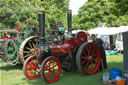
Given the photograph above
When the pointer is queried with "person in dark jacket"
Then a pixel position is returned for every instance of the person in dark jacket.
(101, 45)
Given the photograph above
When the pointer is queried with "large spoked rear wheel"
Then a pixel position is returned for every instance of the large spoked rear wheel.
(50, 69)
(11, 52)
(27, 48)
(88, 58)
(31, 68)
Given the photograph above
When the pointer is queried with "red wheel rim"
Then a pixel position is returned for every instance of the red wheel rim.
(38, 52)
(32, 70)
(81, 38)
(90, 58)
(51, 70)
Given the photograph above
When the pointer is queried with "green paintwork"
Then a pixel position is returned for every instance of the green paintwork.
(29, 32)
(46, 36)
(11, 51)
(68, 36)
(61, 29)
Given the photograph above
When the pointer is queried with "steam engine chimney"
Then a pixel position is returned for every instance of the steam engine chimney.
(42, 26)
(69, 20)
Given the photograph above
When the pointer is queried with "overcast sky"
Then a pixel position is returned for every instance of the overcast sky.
(75, 5)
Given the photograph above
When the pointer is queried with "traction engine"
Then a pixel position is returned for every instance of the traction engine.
(74, 52)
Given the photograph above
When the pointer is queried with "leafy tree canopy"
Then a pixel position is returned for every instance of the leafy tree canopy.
(14, 12)
(93, 12)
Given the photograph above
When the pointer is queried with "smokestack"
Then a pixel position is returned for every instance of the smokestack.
(42, 26)
(69, 20)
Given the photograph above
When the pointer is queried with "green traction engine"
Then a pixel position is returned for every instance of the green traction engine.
(11, 41)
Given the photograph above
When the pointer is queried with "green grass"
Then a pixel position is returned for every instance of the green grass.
(13, 75)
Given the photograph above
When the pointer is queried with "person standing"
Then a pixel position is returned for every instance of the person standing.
(101, 45)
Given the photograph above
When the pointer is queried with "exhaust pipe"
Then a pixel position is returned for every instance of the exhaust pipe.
(42, 27)
(69, 20)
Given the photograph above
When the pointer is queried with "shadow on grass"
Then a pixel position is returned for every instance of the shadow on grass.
(66, 78)
(11, 67)
(7, 67)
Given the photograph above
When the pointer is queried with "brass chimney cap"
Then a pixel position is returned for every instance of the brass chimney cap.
(69, 11)
(41, 12)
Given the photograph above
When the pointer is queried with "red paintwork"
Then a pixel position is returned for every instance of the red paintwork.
(38, 50)
(18, 27)
(81, 38)
(5, 37)
(61, 50)
(71, 41)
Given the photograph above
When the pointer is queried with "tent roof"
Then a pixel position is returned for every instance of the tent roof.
(108, 31)
(75, 31)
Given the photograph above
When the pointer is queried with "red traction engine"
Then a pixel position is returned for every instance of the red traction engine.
(72, 53)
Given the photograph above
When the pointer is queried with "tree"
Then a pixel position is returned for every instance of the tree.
(94, 12)
(14, 12)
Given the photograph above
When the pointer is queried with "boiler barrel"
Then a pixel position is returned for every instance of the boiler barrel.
(60, 50)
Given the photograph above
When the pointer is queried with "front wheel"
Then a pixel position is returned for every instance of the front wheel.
(88, 58)
(50, 69)
(31, 68)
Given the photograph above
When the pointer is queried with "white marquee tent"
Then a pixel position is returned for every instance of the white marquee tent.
(104, 32)
(108, 31)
